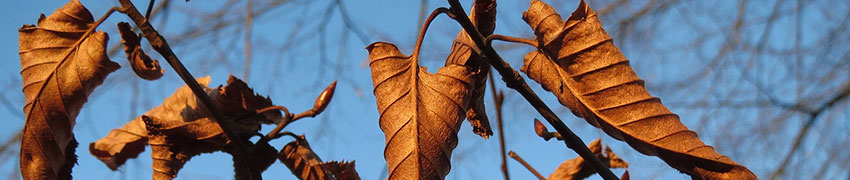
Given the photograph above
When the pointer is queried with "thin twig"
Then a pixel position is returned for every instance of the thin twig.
(160, 45)
(318, 106)
(150, 8)
(514, 81)
(805, 129)
(346, 20)
(497, 102)
(287, 118)
(527, 166)
(249, 23)
(16, 139)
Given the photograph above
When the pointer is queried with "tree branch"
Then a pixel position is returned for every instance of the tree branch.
(514, 81)
(805, 129)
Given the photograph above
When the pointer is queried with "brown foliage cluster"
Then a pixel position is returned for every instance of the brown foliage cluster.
(63, 59)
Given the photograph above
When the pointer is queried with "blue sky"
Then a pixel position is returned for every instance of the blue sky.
(290, 66)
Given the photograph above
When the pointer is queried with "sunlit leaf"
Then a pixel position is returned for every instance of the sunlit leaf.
(483, 15)
(60, 67)
(594, 80)
(420, 112)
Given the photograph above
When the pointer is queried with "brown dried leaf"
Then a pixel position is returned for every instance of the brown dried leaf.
(483, 16)
(306, 165)
(420, 112)
(594, 80)
(341, 170)
(577, 168)
(142, 64)
(261, 156)
(302, 161)
(121, 144)
(174, 143)
(181, 127)
(60, 68)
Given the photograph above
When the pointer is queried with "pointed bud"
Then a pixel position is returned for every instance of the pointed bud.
(324, 98)
(541, 130)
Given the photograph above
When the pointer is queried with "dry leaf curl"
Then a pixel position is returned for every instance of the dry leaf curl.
(60, 67)
(593, 79)
(181, 128)
(420, 112)
(142, 64)
(577, 168)
(483, 16)
(302, 161)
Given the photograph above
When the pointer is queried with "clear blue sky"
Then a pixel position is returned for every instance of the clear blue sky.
(294, 75)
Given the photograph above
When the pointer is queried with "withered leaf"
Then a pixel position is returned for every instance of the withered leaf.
(260, 156)
(181, 127)
(341, 170)
(595, 81)
(121, 144)
(483, 16)
(142, 64)
(60, 67)
(577, 168)
(299, 157)
(420, 112)
(174, 143)
(302, 161)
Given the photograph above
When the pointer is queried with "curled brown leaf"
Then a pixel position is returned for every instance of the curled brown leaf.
(142, 64)
(302, 161)
(420, 112)
(577, 168)
(180, 128)
(61, 64)
(341, 170)
(592, 78)
(121, 144)
(483, 15)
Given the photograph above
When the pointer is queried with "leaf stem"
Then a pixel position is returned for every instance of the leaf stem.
(527, 166)
(160, 45)
(530, 42)
(419, 40)
(287, 118)
(150, 7)
(514, 81)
